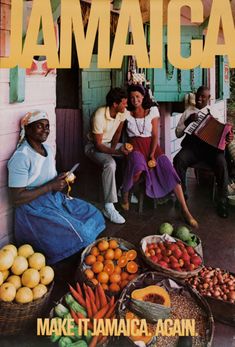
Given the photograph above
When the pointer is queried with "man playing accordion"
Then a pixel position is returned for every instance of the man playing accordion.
(194, 150)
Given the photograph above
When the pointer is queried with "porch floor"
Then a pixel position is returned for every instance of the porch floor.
(217, 235)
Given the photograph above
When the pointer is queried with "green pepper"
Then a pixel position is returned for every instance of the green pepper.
(80, 343)
(76, 335)
(74, 305)
(88, 337)
(65, 341)
(61, 310)
(54, 337)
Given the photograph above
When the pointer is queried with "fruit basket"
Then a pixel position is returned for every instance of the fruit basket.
(16, 318)
(113, 262)
(26, 284)
(218, 288)
(170, 256)
(184, 303)
(183, 233)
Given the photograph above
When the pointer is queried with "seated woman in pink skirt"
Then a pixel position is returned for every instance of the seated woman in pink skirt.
(142, 125)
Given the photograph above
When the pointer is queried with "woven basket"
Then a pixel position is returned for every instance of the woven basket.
(169, 272)
(124, 245)
(62, 301)
(223, 311)
(16, 318)
(151, 278)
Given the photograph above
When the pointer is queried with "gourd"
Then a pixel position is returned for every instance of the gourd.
(154, 294)
(149, 311)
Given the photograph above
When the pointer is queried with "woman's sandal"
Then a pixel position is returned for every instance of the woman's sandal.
(125, 206)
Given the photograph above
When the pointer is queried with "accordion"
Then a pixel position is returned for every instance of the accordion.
(209, 130)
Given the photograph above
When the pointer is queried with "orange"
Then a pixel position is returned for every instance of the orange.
(115, 278)
(89, 274)
(94, 281)
(132, 277)
(90, 259)
(94, 251)
(109, 268)
(117, 269)
(131, 254)
(122, 261)
(132, 267)
(100, 258)
(124, 275)
(105, 286)
(124, 283)
(108, 261)
(103, 277)
(109, 254)
(114, 287)
(113, 244)
(117, 253)
(103, 245)
(97, 267)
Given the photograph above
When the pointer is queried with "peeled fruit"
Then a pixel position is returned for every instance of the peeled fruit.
(46, 275)
(24, 295)
(39, 291)
(15, 280)
(1, 278)
(20, 264)
(70, 178)
(25, 250)
(30, 278)
(11, 248)
(7, 292)
(166, 228)
(37, 261)
(6, 259)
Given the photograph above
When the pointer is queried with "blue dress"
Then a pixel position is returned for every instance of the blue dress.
(52, 223)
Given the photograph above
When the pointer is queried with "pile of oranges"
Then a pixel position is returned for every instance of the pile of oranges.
(111, 266)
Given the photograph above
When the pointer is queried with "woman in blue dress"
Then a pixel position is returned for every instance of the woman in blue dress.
(44, 216)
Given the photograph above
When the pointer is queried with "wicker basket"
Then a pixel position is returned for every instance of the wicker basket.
(62, 301)
(124, 245)
(223, 311)
(169, 272)
(16, 318)
(151, 278)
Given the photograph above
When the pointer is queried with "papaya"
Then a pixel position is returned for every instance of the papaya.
(154, 294)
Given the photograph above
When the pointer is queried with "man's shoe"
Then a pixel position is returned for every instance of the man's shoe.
(113, 215)
(134, 199)
(222, 209)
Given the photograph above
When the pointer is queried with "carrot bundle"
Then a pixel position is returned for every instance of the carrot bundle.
(77, 296)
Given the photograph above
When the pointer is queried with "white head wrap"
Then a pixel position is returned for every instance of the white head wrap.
(30, 117)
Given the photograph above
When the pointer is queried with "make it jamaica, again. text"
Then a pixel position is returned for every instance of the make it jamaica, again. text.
(116, 327)
(41, 18)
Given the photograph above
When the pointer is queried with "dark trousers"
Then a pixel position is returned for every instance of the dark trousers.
(194, 151)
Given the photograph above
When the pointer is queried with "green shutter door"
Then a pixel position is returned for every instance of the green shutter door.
(95, 85)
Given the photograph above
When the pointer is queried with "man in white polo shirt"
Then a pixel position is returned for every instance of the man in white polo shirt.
(106, 128)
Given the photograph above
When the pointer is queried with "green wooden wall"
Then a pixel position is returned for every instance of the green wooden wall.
(170, 84)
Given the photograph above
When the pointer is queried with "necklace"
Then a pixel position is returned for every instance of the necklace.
(143, 128)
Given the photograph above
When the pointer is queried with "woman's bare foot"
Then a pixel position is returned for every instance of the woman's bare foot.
(189, 219)
(125, 201)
